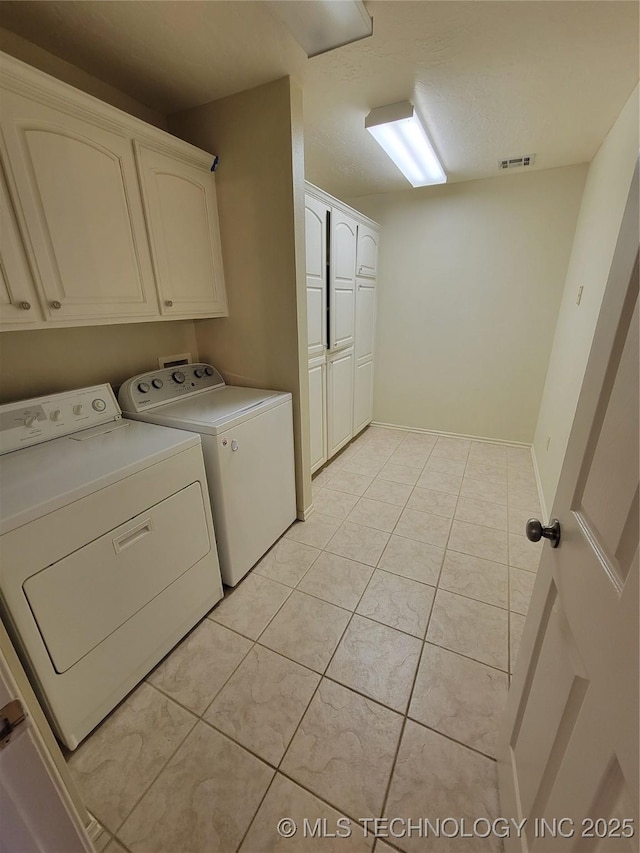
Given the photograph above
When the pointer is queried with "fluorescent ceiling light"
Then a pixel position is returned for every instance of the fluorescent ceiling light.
(322, 25)
(400, 132)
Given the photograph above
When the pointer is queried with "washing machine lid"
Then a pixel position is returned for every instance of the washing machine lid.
(217, 410)
(40, 479)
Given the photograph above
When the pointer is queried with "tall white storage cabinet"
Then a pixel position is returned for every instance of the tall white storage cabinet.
(341, 269)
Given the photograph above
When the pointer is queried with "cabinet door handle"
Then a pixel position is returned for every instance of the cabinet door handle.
(168, 303)
(56, 305)
(26, 306)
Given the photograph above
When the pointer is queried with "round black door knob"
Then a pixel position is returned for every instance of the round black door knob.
(535, 531)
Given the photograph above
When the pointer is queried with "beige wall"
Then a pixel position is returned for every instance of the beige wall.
(43, 361)
(260, 184)
(471, 277)
(39, 58)
(605, 196)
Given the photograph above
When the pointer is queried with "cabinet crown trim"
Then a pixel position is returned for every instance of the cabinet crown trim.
(332, 201)
(23, 79)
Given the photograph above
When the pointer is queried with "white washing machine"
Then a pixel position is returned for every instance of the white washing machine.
(107, 546)
(247, 444)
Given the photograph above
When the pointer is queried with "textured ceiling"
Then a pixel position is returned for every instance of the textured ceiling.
(491, 79)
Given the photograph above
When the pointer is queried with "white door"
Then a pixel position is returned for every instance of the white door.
(367, 260)
(77, 190)
(316, 267)
(36, 814)
(362, 395)
(181, 210)
(339, 399)
(570, 738)
(343, 281)
(318, 411)
(18, 300)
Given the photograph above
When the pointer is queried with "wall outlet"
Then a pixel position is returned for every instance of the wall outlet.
(579, 296)
(548, 442)
(175, 360)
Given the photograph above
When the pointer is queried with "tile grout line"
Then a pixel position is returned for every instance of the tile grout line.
(415, 678)
(295, 732)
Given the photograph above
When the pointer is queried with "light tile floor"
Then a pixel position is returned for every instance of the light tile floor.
(359, 670)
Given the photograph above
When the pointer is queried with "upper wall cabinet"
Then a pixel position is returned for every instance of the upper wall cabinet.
(75, 182)
(18, 300)
(118, 219)
(367, 256)
(182, 219)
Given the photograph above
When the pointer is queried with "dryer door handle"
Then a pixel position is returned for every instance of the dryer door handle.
(132, 536)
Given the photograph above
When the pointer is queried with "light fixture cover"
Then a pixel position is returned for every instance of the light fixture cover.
(322, 25)
(399, 131)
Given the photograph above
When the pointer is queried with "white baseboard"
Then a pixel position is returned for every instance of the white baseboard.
(482, 438)
(97, 833)
(304, 514)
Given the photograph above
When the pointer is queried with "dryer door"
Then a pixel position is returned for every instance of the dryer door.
(83, 598)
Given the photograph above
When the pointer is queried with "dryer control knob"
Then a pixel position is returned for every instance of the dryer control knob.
(77, 409)
(178, 376)
(144, 387)
(30, 420)
(55, 415)
(99, 405)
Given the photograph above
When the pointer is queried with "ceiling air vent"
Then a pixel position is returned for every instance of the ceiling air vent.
(517, 162)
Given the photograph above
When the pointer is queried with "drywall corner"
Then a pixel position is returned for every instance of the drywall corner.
(257, 135)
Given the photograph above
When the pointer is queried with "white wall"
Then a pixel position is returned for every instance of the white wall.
(605, 196)
(471, 277)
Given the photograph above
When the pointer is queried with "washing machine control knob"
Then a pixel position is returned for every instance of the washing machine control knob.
(30, 420)
(209, 371)
(99, 405)
(55, 415)
(77, 409)
(178, 376)
(199, 372)
(157, 383)
(144, 387)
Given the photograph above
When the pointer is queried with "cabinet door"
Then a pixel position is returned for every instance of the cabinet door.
(18, 299)
(316, 270)
(367, 260)
(365, 319)
(362, 396)
(318, 411)
(181, 211)
(343, 279)
(76, 183)
(339, 399)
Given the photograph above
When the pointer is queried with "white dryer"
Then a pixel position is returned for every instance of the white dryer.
(247, 444)
(107, 545)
